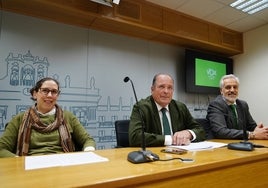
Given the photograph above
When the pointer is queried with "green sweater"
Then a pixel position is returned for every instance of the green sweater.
(44, 143)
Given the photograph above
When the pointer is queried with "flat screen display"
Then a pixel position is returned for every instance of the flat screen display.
(204, 71)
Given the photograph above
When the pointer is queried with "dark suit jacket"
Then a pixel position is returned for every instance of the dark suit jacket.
(221, 119)
(181, 119)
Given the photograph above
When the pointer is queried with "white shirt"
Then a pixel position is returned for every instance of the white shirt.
(168, 138)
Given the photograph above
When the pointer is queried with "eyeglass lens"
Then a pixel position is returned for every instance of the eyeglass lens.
(46, 91)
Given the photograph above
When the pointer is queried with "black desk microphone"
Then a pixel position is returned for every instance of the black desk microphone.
(143, 155)
(244, 145)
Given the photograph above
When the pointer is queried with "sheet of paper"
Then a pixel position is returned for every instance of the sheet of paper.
(195, 146)
(65, 159)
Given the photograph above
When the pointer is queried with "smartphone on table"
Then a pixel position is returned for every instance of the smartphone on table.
(178, 151)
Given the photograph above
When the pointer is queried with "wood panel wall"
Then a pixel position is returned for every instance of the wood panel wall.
(135, 18)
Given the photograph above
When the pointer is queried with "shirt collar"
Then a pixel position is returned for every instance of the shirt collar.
(51, 112)
(160, 107)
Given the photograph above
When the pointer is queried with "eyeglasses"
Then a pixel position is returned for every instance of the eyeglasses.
(46, 91)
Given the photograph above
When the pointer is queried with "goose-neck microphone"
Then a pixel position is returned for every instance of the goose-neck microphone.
(141, 156)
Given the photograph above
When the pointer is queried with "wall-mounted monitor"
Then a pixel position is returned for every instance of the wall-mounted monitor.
(204, 71)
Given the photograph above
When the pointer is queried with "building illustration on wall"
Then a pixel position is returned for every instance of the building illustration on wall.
(23, 71)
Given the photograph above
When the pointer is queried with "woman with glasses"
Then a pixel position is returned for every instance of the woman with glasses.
(44, 128)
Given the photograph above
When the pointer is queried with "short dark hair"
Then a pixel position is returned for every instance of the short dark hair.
(39, 84)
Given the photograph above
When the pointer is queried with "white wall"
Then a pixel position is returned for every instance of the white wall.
(252, 69)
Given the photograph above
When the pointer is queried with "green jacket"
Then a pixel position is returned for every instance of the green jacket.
(181, 119)
(44, 143)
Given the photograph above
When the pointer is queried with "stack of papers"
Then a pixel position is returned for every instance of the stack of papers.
(195, 146)
(65, 159)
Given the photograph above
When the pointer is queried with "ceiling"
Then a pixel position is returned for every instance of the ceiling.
(218, 12)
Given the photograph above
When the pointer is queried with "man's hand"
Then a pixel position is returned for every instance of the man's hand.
(182, 138)
(261, 132)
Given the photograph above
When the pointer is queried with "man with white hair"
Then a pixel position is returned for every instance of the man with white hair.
(228, 115)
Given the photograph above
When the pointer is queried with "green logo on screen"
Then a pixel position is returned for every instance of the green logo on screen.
(208, 73)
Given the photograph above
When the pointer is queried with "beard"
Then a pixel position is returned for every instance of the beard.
(230, 99)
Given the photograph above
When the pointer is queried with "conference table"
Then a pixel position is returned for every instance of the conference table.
(218, 167)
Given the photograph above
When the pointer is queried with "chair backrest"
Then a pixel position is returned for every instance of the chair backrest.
(206, 125)
(121, 131)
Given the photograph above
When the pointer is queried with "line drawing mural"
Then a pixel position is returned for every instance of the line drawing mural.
(24, 70)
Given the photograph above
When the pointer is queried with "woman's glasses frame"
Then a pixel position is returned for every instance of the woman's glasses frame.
(46, 91)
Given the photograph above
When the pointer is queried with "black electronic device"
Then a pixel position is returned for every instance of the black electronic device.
(143, 155)
(244, 145)
(204, 71)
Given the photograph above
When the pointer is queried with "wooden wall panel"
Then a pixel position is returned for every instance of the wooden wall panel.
(184, 26)
(129, 10)
(136, 18)
(152, 16)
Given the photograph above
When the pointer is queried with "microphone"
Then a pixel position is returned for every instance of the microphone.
(244, 145)
(143, 155)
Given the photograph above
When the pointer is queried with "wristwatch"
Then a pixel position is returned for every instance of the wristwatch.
(251, 135)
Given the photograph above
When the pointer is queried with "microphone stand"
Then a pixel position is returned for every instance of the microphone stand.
(244, 145)
(143, 155)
